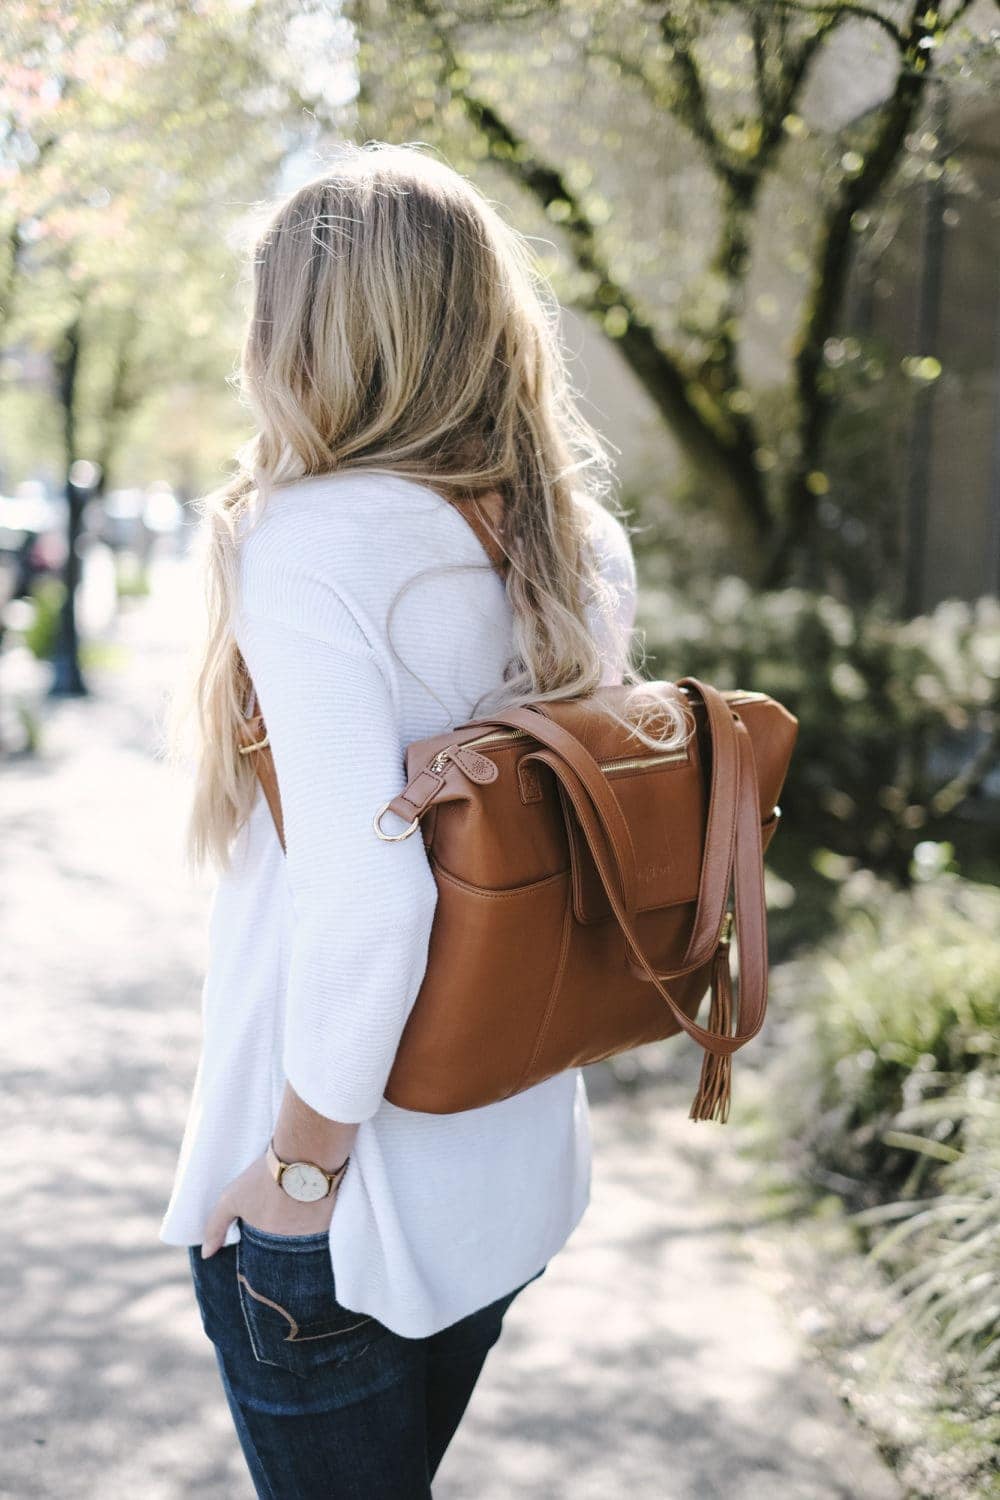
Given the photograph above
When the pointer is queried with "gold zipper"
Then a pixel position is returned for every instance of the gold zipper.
(632, 761)
(628, 763)
(497, 736)
(503, 736)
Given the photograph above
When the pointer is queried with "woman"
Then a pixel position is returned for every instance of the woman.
(402, 358)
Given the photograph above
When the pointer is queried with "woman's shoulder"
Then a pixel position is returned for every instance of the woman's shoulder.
(304, 553)
(328, 554)
(341, 529)
(345, 508)
(335, 528)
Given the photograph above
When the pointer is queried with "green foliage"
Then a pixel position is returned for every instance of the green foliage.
(904, 1001)
(136, 141)
(944, 1250)
(896, 719)
(41, 635)
(131, 577)
(886, 1092)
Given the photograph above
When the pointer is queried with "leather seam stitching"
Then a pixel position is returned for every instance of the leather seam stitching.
(554, 992)
(484, 891)
(294, 1336)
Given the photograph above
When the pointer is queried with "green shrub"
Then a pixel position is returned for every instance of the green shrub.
(884, 1019)
(885, 1090)
(897, 719)
(944, 1248)
(131, 577)
(43, 632)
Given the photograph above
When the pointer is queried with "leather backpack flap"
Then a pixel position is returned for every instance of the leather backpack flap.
(667, 832)
(663, 799)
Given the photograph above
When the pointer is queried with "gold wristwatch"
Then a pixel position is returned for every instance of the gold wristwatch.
(303, 1180)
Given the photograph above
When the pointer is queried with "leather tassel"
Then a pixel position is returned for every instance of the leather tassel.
(711, 1102)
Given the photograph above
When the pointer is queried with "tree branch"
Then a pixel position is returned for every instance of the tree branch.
(793, 77)
(857, 192)
(14, 243)
(694, 415)
(631, 69)
(958, 13)
(836, 11)
(740, 191)
(702, 425)
(693, 110)
(122, 397)
(15, 240)
(949, 796)
(759, 38)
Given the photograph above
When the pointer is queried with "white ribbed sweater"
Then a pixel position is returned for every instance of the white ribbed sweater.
(316, 959)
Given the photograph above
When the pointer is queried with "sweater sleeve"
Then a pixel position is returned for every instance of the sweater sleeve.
(363, 908)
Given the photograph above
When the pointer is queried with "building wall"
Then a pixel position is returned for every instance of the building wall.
(961, 551)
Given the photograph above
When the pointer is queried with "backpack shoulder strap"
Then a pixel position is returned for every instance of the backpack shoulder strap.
(484, 514)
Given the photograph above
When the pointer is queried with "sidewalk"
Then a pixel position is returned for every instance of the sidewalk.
(654, 1358)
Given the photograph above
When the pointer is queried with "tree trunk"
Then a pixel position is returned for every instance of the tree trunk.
(67, 677)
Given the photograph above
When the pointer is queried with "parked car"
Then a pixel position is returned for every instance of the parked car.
(32, 539)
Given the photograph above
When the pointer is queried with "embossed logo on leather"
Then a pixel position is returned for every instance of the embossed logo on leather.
(477, 767)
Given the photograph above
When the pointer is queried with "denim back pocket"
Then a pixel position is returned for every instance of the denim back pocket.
(292, 1316)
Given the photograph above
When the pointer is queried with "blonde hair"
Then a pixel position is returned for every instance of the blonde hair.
(398, 322)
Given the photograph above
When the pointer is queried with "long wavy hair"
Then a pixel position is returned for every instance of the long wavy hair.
(398, 322)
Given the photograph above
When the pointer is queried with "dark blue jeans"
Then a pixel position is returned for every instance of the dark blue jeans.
(330, 1404)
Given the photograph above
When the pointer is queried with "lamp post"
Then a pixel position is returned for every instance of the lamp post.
(67, 677)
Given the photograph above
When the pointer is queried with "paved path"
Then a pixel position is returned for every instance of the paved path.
(654, 1359)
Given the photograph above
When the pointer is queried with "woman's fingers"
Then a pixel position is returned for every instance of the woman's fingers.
(216, 1226)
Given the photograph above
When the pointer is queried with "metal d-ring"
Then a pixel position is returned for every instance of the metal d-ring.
(392, 838)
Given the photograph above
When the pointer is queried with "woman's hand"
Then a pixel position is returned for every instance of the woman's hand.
(257, 1198)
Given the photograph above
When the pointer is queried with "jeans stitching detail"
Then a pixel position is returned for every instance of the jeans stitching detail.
(293, 1336)
(243, 1309)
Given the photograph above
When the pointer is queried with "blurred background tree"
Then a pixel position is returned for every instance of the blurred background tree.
(134, 139)
(671, 147)
(714, 185)
(133, 135)
(722, 190)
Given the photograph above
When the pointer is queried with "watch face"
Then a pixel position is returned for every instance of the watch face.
(304, 1182)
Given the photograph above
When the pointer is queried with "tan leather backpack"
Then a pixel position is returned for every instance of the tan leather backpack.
(580, 873)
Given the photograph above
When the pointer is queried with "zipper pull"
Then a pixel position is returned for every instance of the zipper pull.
(477, 767)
